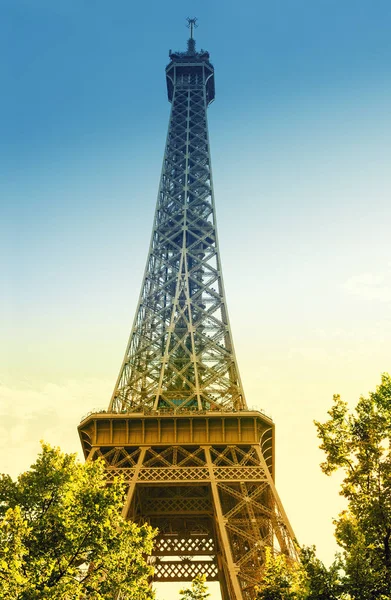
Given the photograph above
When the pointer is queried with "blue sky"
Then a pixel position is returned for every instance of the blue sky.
(299, 129)
(300, 137)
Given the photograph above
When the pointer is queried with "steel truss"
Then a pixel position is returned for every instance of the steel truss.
(198, 464)
(215, 506)
(180, 353)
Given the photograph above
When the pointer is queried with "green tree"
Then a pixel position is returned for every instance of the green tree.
(198, 590)
(322, 583)
(62, 536)
(282, 580)
(359, 443)
(13, 552)
(308, 579)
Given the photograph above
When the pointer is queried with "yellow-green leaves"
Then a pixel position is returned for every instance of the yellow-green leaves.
(62, 535)
(282, 579)
(197, 591)
(359, 443)
(307, 580)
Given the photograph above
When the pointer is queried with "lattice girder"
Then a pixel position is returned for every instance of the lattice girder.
(184, 570)
(180, 353)
(215, 505)
(197, 464)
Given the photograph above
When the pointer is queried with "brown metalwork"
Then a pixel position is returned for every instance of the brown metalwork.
(199, 465)
(213, 501)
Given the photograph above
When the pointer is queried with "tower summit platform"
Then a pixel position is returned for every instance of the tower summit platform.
(190, 67)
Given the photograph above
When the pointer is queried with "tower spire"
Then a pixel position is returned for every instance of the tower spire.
(191, 24)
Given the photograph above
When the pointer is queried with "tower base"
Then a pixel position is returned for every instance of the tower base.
(205, 480)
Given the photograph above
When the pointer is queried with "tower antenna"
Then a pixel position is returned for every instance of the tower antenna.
(192, 24)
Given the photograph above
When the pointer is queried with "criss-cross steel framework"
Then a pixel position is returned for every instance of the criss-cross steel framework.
(180, 353)
(199, 465)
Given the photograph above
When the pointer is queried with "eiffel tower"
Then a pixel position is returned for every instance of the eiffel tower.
(198, 463)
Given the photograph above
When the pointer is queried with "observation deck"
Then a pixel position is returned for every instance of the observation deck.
(190, 69)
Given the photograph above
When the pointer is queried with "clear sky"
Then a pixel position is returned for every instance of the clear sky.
(300, 135)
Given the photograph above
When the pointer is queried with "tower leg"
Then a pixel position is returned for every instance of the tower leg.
(285, 535)
(220, 521)
(132, 486)
(222, 579)
(92, 453)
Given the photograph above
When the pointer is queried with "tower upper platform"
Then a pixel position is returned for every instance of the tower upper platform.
(190, 69)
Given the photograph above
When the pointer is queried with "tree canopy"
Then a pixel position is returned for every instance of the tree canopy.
(322, 583)
(359, 443)
(62, 535)
(308, 579)
(282, 579)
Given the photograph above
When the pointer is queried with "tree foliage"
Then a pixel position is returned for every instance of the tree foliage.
(308, 579)
(282, 580)
(322, 583)
(198, 590)
(62, 535)
(359, 443)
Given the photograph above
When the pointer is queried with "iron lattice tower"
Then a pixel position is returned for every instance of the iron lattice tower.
(198, 463)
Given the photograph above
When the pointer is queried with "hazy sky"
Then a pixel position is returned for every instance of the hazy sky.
(300, 136)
